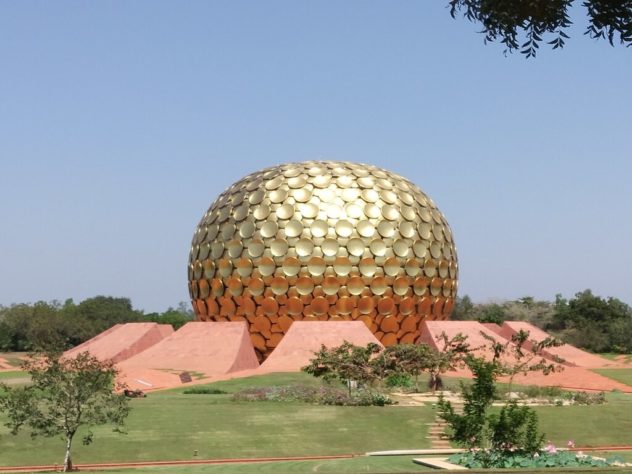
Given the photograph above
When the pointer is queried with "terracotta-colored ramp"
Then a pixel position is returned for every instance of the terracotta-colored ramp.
(201, 349)
(478, 336)
(304, 338)
(572, 355)
(123, 341)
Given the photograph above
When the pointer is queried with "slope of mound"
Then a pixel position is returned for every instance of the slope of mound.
(203, 349)
(123, 341)
(304, 338)
(571, 355)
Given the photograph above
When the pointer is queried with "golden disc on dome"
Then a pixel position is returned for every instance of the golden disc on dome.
(401, 248)
(304, 285)
(293, 228)
(241, 212)
(378, 285)
(370, 195)
(235, 247)
(320, 305)
(420, 249)
(209, 269)
(391, 266)
(408, 213)
(377, 247)
(430, 268)
(390, 212)
(366, 304)
(279, 285)
(308, 210)
(304, 247)
(235, 286)
(372, 211)
(261, 212)
(316, 266)
(345, 305)
(365, 229)
(350, 194)
(278, 247)
(385, 306)
(331, 285)
(244, 267)
(367, 267)
(294, 307)
(385, 229)
(285, 211)
(301, 194)
(269, 229)
(247, 229)
(344, 228)
(296, 182)
(256, 197)
(256, 248)
(407, 230)
(406, 305)
(319, 228)
(355, 285)
(401, 285)
(412, 267)
(225, 267)
(266, 266)
(329, 247)
(333, 211)
(342, 266)
(291, 266)
(353, 211)
(425, 215)
(355, 247)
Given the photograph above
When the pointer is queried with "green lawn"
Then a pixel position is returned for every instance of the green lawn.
(595, 425)
(620, 375)
(171, 426)
(616, 355)
(13, 374)
(370, 464)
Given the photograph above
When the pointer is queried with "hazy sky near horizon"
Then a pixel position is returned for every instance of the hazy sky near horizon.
(120, 122)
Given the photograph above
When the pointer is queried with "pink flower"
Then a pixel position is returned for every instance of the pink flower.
(550, 448)
(570, 444)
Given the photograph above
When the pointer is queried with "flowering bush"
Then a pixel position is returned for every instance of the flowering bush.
(549, 457)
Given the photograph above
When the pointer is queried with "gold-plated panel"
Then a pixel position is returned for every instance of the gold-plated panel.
(323, 240)
(269, 229)
(304, 247)
(356, 247)
(319, 228)
(329, 247)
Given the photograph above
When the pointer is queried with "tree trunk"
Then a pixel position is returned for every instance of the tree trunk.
(67, 459)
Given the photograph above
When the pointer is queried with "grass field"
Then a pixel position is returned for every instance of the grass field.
(170, 425)
(13, 374)
(620, 375)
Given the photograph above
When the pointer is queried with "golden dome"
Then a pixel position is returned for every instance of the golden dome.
(323, 240)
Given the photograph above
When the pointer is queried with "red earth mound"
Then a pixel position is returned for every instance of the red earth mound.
(304, 338)
(201, 349)
(123, 341)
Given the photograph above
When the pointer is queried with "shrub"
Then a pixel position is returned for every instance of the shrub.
(505, 460)
(399, 380)
(308, 394)
(203, 391)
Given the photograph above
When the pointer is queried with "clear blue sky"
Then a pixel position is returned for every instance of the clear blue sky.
(120, 122)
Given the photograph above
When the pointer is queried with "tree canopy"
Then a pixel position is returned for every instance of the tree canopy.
(522, 25)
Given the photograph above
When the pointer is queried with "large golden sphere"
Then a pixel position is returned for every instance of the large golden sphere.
(323, 240)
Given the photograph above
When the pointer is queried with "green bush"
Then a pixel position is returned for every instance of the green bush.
(308, 394)
(398, 380)
(487, 459)
(203, 391)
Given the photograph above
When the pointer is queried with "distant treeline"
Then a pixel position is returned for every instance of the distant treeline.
(586, 321)
(55, 325)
